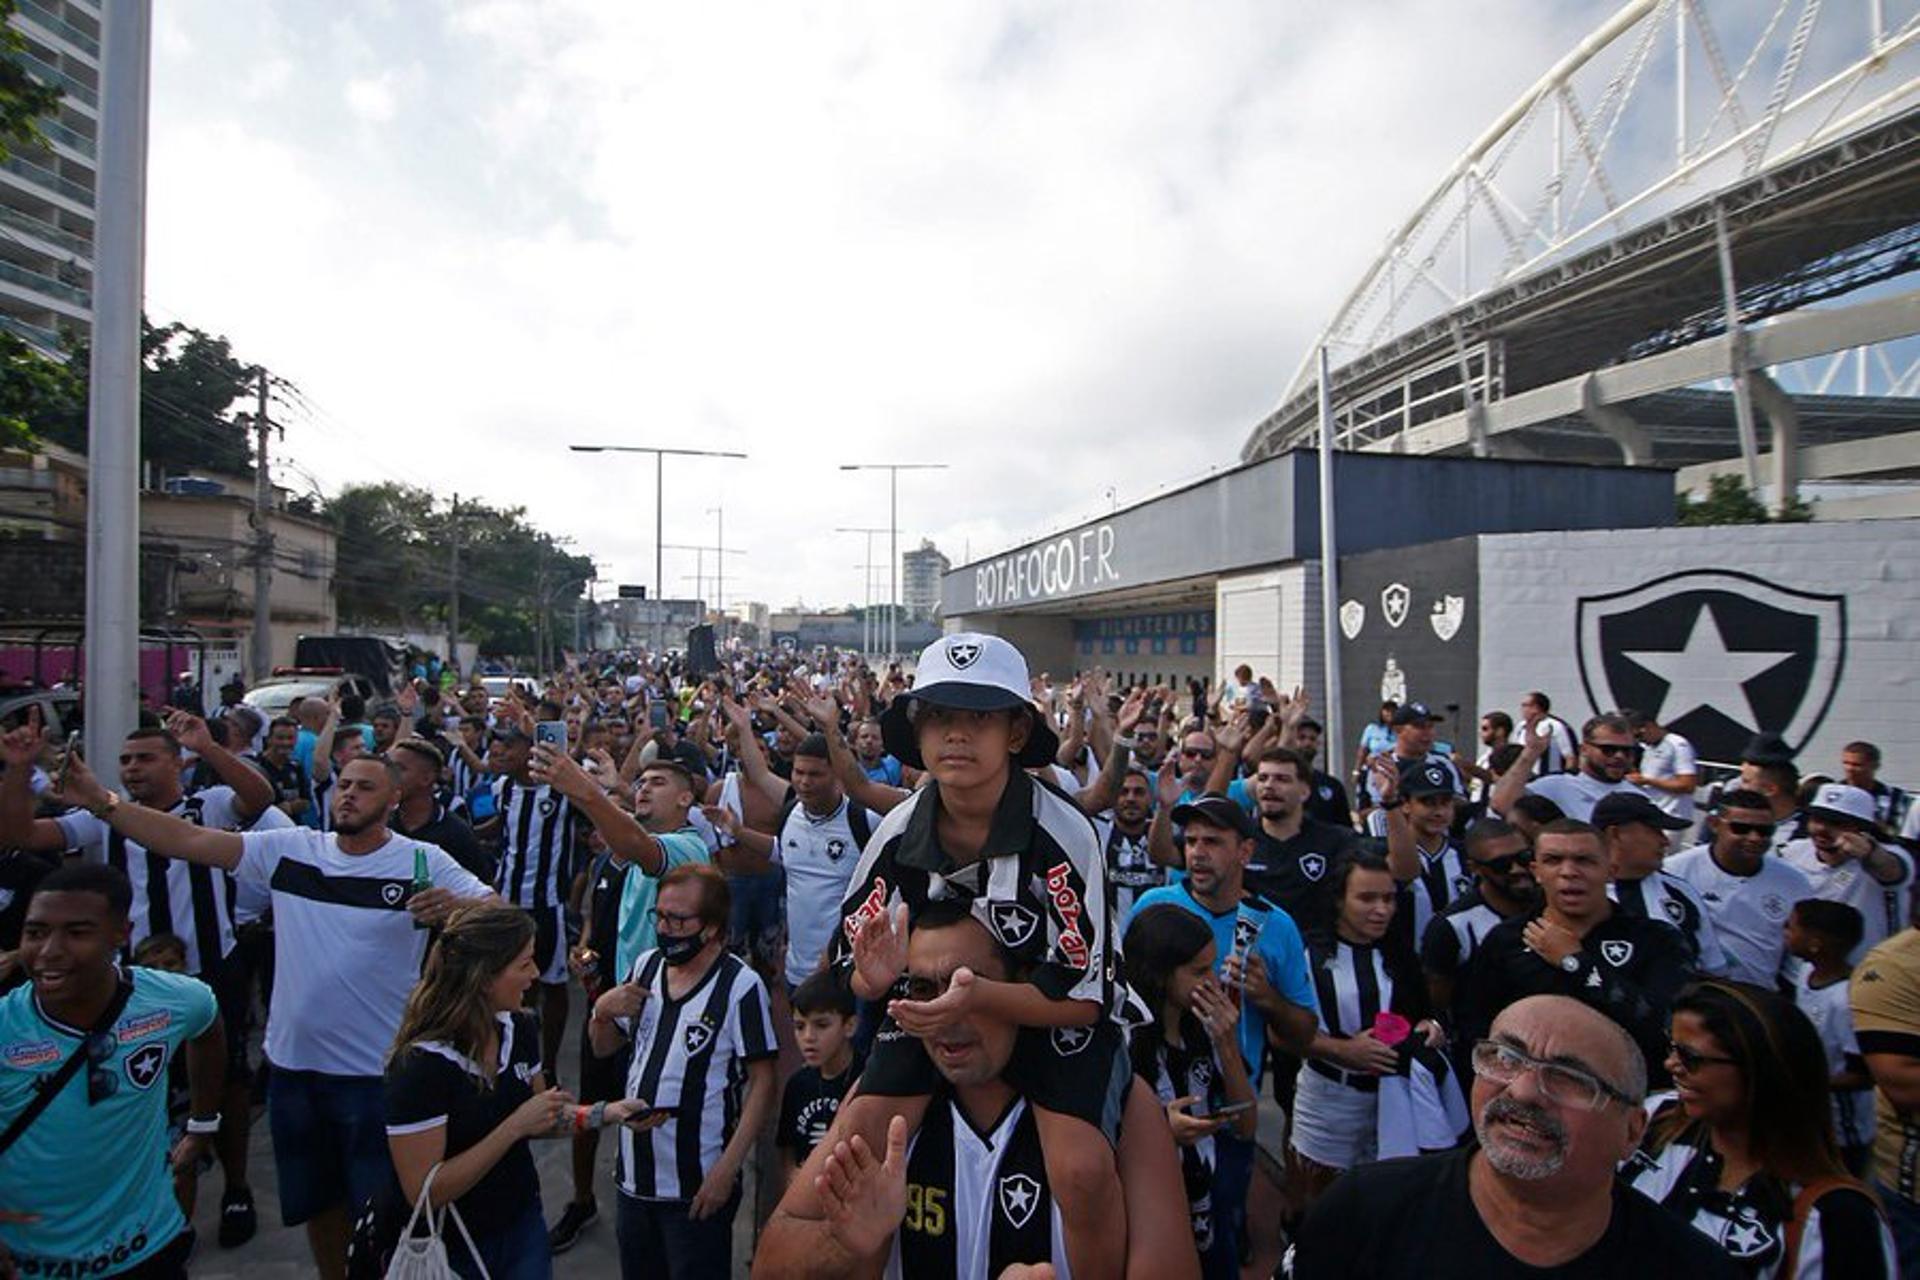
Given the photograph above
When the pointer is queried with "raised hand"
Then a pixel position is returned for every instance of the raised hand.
(865, 1197)
(880, 949)
(190, 731)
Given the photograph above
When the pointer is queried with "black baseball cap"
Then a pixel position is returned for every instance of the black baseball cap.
(1215, 810)
(1409, 712)
(1767, 748)
(1426, 777)
(1621, 808)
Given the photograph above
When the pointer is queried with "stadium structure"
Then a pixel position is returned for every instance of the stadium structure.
(1690, 244)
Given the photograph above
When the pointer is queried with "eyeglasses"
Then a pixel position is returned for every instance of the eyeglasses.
(1502, 866)
(677, 919)
(1690, 1060)
(1751, 828)
(1612, 748)
(102, 1081)
(920, 987)
(1568, 1086)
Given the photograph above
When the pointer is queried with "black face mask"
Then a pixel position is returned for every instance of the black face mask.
(677, 951)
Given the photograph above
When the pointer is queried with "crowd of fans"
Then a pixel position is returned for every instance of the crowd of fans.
(1087, 978)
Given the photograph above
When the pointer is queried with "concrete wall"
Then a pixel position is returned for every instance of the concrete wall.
(1812, 631)
(1270, 620)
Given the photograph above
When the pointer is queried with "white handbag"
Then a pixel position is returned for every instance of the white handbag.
(425, 1257)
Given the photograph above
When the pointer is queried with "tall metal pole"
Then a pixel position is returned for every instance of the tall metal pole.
(453, 588)
(720, 569)
(1329, 579)
(262, 647)
(112, 678)
(659, 551)
(893, 564)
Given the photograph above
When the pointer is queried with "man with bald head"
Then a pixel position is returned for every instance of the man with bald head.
(1557, 1098)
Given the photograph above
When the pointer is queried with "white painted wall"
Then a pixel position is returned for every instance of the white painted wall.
(1529, 585)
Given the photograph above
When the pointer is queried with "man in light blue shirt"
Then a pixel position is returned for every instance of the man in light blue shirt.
(88, 1185)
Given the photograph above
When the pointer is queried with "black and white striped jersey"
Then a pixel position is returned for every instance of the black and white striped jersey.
(1844, 1237)
(977, 1203)
(193, 903)
(1192, 1070)
(1354, 985)
(1042, 891)
(1131, 870)
(1662, 896)
(537, 829)
(1444, 876)
(690, 1057)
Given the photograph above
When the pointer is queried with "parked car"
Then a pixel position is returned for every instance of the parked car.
(497, 686)
(59, 710)
(272, 696)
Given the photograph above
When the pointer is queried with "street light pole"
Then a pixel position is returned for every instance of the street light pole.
(868, 631)
(659, 511)
(893, 531)
(112, 663)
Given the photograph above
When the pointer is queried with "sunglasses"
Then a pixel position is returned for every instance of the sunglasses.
(102, 1081)
(1502, 866)
(1203, 755)
(1750, 828)
(1690, 1060)
(1611, 749)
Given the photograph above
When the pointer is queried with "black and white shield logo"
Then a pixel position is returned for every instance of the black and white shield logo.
(1313, 865)
(1244, 932)
(1616, 951)
(391, 892)
(962, 654)
(1715, 655)
(699, 1036)
(1393, 603)
(1068, 1041)
(146, 1064)
(1353, 616)
(1675, 909)
(836, 849)
(1019, 1195)
(1014, 922)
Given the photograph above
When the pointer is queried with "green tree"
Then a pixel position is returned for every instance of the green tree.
(190, 382)
(23, 99)
(1729, 501)
(35, 394)
(393, 568)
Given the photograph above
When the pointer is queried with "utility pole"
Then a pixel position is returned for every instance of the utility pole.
(869, 630)
(893, 470)
(262, 539)
(112, 676)
(453, 588)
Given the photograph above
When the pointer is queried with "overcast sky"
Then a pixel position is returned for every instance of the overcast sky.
(1061, 248)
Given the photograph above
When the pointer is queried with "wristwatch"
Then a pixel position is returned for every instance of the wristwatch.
(1571, 962)
(202, 1125)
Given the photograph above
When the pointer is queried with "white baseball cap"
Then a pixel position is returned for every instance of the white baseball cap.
(1848, 804)
(972, 672)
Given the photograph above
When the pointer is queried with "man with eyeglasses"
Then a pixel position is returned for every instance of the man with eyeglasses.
(1579, 945)
(84, 1185)
(1503, 889)
(703, 1055)
(1607, 749)
(1557, 1099)
(1749, 894)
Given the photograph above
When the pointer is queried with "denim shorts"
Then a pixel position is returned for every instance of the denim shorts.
(329, 1141)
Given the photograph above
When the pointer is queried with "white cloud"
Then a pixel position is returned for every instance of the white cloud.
(1057, 248)
(371, 99)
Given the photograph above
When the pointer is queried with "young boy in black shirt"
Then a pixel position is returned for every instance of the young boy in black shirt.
(823, 1016)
